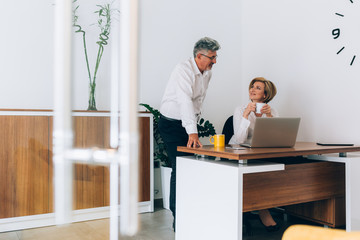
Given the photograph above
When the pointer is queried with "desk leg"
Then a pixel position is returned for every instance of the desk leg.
(208, 200)
(352, 180)
(240, 203)
(352, 188)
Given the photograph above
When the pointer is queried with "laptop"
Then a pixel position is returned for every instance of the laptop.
(274, 132)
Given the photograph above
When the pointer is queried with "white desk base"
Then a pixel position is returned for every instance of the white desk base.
(209, 197)
(352, 186)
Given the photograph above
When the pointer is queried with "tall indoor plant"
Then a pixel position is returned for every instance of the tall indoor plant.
(104, 14)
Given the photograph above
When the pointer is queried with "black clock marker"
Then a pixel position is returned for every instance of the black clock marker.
(353, 60)
(336, 33)
(340, 50)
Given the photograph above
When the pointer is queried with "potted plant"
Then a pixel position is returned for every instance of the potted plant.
(205, 129)
(104, 14)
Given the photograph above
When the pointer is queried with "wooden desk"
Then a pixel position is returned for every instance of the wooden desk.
(300, 149)
(211, 194)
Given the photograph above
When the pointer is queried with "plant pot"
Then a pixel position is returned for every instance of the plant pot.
(157, 183)
(92, 102)
(165, 185)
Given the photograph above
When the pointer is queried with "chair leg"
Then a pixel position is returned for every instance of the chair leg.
(286, 217)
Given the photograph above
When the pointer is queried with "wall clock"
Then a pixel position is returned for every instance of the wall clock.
(348, 30)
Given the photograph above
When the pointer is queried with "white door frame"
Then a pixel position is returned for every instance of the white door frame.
(124, 143)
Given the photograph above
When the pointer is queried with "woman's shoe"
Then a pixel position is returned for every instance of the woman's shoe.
(273, 228)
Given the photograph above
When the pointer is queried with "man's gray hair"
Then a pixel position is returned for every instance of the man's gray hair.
(207, 44)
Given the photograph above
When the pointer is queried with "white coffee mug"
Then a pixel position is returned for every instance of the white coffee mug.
(259, 106)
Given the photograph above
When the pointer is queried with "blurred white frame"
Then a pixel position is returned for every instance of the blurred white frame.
(124, 155)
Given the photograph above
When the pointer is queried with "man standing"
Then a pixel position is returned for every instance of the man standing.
(182, 102)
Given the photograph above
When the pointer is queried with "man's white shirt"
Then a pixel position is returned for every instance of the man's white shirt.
(185, 93)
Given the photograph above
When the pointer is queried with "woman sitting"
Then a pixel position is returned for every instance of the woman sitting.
(261, 90)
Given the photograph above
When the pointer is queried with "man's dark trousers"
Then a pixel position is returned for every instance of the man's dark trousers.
(173, 135)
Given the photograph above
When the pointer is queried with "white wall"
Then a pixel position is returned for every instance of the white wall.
(290, 42)
(169, 30)
(287, 41)
(25, 61)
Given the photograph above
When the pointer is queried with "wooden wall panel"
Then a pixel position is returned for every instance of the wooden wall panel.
(107, 170)
(24, 165)
(144, 156)
(51, 166)
(26, 168)
(92, 183)
(144, 163)
(89, 179)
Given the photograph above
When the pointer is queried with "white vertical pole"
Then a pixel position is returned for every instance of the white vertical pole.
(62, 133)
(352, 191)
(240, 188)
(114, 127)
(128, 121)
(114, 201)
(115, 76)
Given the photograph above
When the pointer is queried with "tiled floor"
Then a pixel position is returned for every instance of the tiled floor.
(154, 226)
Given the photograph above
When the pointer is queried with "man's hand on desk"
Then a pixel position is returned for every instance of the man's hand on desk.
(194, 141)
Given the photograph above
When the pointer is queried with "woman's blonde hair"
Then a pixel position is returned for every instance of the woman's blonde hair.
(269, 90)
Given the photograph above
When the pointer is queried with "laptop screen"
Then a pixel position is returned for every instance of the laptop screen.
(274, 132)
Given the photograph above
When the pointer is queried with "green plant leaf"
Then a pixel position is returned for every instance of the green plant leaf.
(205, 129)
(104, 14)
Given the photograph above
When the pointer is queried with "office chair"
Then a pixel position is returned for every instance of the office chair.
(303, 232)
(228, 129)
